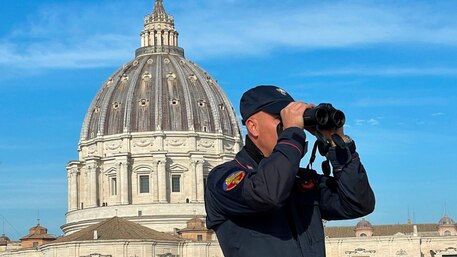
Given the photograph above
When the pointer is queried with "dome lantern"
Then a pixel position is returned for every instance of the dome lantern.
(159, 34)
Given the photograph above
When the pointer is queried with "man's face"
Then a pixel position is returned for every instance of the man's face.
(262, 128)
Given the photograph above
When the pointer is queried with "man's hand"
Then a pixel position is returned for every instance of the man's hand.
(327, 134)
(292, 114)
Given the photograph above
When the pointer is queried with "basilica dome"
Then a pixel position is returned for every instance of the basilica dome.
(159, 90)
(151, 135)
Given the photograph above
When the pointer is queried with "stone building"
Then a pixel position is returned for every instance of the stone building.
(400, 240)
(37, 236)
(151, 135)
(154, 130)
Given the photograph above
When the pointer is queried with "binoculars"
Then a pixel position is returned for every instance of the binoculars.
(324, 116)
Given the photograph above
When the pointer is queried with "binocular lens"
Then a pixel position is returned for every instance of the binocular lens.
(338, 118)
(321, 116)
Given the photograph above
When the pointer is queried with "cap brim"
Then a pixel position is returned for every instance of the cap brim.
(275, 108)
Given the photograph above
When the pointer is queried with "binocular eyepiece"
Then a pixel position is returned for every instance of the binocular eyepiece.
(324, 116)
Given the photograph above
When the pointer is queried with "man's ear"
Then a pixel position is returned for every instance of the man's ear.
(252, 127)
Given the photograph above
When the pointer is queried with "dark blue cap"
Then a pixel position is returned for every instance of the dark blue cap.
(270, 99)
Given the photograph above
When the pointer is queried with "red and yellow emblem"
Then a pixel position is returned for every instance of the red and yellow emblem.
(233, 180)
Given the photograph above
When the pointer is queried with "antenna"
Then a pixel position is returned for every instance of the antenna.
(38, 217)
(409, 218)
(414, 216)
(11, 225)
(445, 208)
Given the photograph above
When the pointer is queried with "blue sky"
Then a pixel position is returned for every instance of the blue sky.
(391, 66)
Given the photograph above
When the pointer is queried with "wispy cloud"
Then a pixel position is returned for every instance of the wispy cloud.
(104, 33)
(372, 122)
(400, 101)
(383, 71)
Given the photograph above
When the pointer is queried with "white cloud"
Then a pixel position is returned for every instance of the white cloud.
(362, 122)
(383, 71)
(400, 101)
(373, 122)
(104, 34)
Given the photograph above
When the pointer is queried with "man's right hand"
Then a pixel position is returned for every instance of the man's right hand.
(292, 114)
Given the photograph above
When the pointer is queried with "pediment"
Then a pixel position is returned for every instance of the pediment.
(178, 168)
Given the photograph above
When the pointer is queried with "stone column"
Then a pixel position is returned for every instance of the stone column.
(124, 181)
(159, 38)
(197, 178)
(172, 39)
(70, 187)
(162, 181)
(193, 182)
(72, 175)
(199, 184)
(166, 38)
(92, 170)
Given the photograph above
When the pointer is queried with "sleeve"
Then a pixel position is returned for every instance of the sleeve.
(237, 192)
(347, 194)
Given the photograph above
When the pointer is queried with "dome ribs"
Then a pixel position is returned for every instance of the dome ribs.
(215, 118)
(132, 86)
(182, 89)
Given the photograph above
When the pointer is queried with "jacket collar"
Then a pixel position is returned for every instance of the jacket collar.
(250, 156)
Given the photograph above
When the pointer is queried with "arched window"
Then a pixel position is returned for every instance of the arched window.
(447, 233)
(363, 235)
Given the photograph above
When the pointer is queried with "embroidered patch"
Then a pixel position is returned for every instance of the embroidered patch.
(233, 180)
(281, 91)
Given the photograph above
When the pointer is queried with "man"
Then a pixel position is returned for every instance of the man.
(262, 204)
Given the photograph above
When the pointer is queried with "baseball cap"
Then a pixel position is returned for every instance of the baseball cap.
(267, 98)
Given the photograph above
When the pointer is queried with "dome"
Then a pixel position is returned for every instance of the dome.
(363, 224)
(159, 90)
(4, 240)
(446, 221)
(153, 132)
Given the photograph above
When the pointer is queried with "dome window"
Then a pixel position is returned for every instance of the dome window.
(166, 61)
(150, 61)
(97, 109)
(222, 107)
(193, 79)
(143, 102)
(135, 63)
(201, 103)
(116, 105)
(174, 101)
(147, 76)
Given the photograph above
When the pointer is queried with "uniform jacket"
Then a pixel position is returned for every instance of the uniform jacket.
(258, 207)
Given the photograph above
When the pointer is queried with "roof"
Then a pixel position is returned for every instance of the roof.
(117, 228)
(4, 240)
(384, 230)
(38, 232)
(446, 221)
(159, 91)
(363, 224)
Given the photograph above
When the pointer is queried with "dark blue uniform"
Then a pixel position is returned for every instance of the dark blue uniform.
(258, 207)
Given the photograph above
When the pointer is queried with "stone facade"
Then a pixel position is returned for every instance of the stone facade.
(391, 246)
(152, 134)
